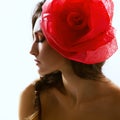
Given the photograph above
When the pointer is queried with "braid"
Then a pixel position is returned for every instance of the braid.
(47, 82)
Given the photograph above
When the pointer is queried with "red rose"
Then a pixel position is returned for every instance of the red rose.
(76, 21)
(77, 27)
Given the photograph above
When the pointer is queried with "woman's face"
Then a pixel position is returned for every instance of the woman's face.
(47, 59)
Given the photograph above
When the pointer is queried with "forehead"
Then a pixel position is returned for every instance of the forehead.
(37, 27)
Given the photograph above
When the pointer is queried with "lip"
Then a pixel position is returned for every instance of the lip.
(37, 62)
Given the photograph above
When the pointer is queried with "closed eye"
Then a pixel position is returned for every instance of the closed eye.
(39, 37)
(42, 39)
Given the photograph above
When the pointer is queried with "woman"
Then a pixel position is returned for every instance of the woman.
(72, 40)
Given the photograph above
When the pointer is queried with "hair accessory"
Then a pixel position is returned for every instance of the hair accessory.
(80, 30)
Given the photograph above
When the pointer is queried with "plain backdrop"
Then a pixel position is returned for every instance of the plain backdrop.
(17, 67)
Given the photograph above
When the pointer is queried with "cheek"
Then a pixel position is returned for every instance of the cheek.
(40, 47)
(44, 53)
(49, 57)
(55, 60)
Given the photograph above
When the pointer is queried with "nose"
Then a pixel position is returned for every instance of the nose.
(34, 49)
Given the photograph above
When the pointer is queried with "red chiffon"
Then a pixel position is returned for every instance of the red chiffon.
(80, 30)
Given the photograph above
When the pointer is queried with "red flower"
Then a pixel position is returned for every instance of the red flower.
(76, 21)
(77, 27)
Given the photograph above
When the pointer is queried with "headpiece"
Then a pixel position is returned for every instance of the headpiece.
(80, 30)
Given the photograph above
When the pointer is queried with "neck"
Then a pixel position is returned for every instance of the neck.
(73, 84)
(77, 88)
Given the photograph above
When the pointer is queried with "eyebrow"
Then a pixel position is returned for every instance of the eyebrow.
(40, 31)
(37, 31)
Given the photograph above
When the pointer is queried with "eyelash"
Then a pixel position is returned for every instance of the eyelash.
(41, 40)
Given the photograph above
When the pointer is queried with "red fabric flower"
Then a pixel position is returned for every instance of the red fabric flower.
(80, 30)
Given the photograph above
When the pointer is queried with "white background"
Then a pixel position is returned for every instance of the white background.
(17, 68)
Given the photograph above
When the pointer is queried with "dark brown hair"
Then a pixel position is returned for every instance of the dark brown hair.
(85, 71)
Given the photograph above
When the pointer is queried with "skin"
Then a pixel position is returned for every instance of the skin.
(85, 99)
(44, 55)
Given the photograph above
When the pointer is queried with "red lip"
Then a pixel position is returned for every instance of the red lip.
(37, 61)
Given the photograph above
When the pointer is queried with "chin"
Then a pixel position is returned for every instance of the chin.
(42, 74)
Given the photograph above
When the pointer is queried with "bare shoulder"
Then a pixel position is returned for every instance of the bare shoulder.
(26, 104)
(115, 98)
(115, 94)
(113, 104)
(105, 107)
(110, 105)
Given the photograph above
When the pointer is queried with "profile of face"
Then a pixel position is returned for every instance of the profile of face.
(47, 59)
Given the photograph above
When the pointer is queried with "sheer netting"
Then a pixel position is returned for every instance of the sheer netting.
(80, 30)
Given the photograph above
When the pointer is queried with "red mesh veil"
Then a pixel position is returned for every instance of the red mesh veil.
(80, 30)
